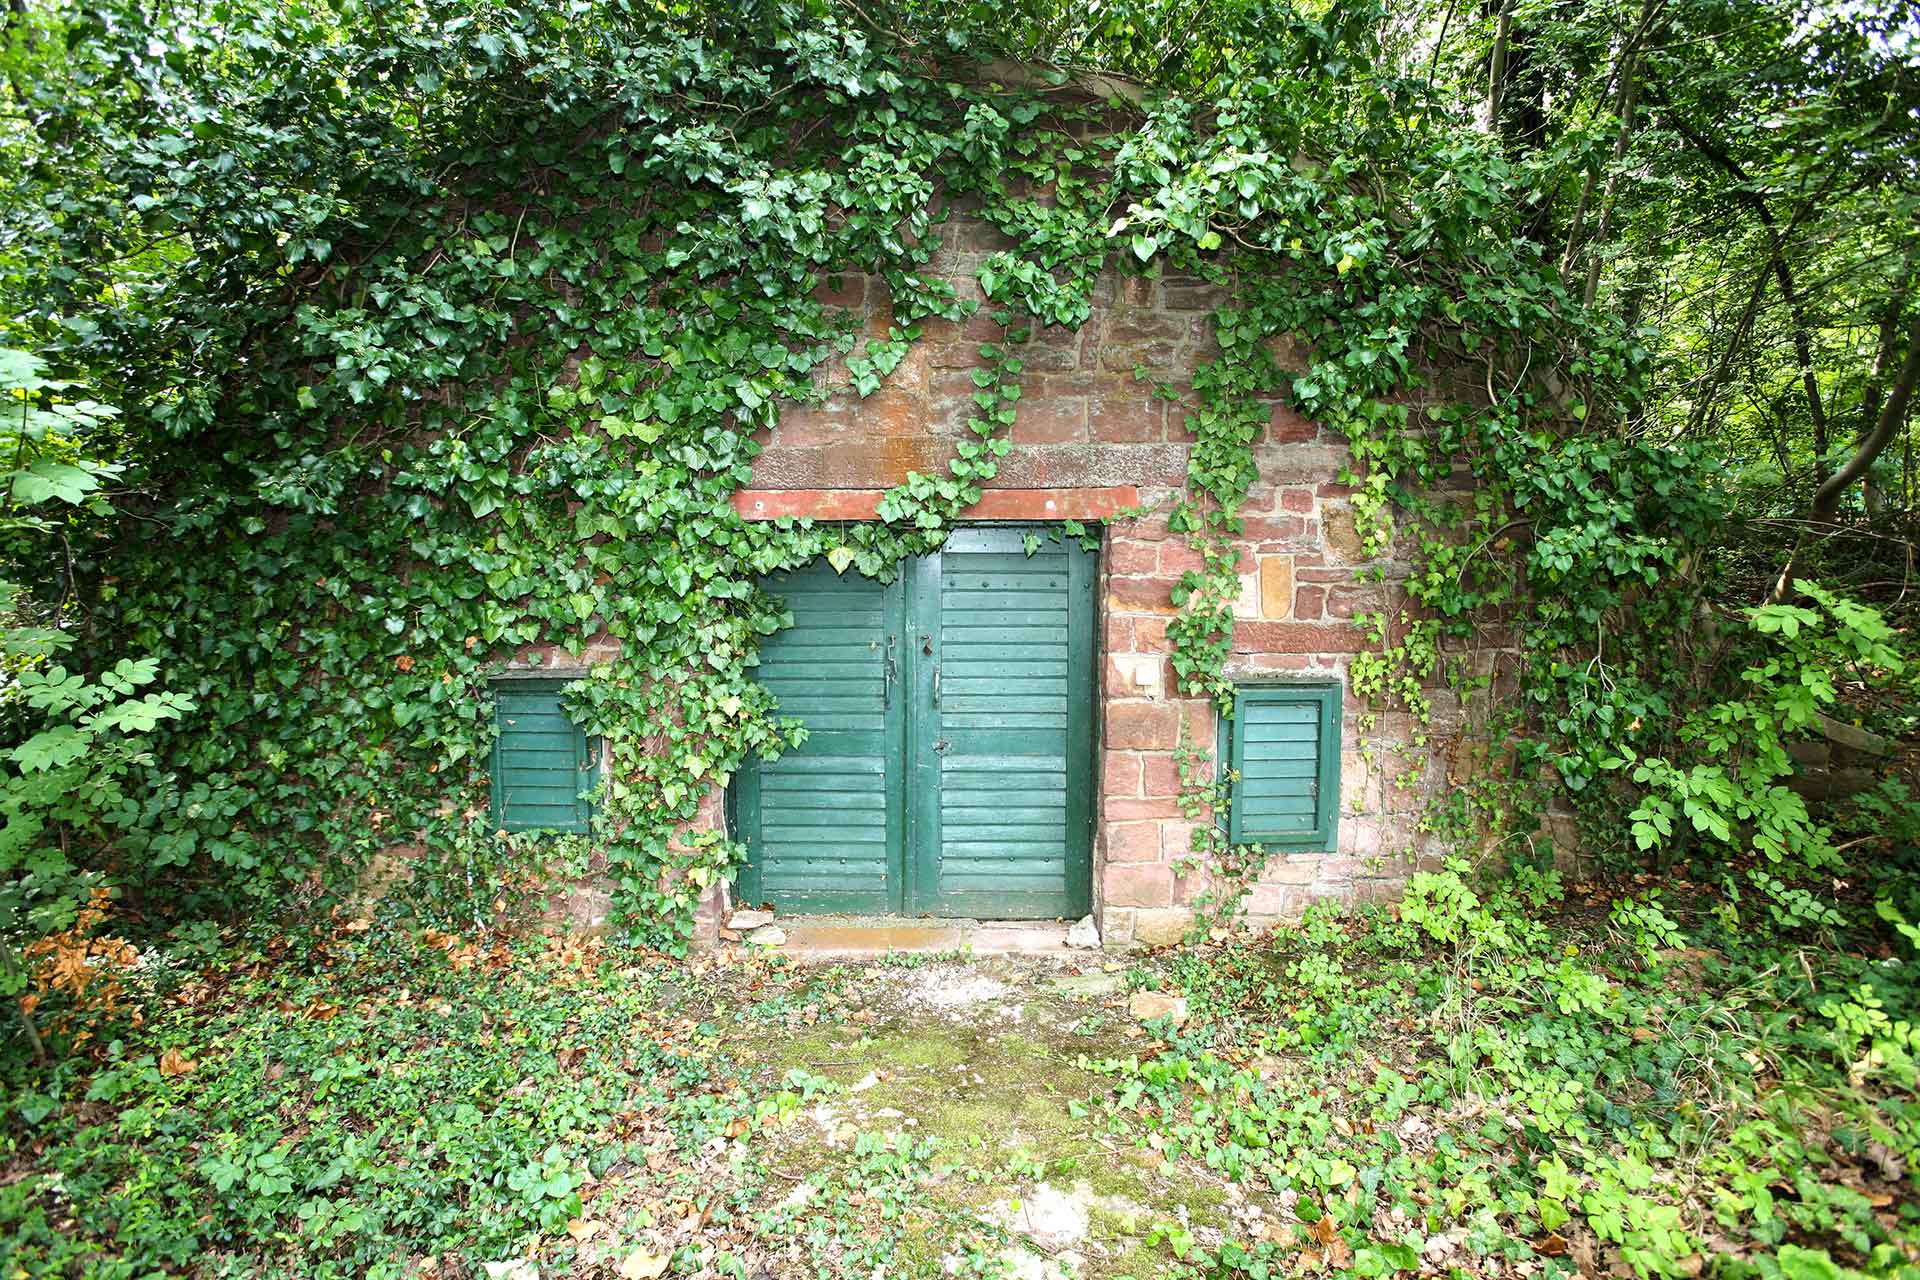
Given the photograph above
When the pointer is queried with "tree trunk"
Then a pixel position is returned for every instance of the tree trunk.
(1626, 98)
(1497, 66)
(1871, 398)
(1703, 404)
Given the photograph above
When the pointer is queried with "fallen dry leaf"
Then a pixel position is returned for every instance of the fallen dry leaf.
(174, 1063)
(641, 1265)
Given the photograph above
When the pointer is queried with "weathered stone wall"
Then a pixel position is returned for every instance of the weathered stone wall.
(1091, 437)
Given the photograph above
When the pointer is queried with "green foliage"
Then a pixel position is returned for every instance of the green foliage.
(1548, 1090)
(67, 811)
(497, 417)
(1729, 789)
(50, 442)
(359, 1108)
(67, 782)
(1675, 1100)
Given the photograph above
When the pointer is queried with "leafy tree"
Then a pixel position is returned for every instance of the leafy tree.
(63, 800)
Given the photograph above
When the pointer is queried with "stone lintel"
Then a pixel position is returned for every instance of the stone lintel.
(994, 504)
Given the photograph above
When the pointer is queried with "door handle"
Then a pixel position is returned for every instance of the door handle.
(886, 676)
(936, 684)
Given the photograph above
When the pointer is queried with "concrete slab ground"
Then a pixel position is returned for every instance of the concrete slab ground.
(866, 937)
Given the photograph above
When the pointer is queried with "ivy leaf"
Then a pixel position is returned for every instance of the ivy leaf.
(51, 748)
(840, 558)
(1144, 247)
(47, 479)
(1807, 1264)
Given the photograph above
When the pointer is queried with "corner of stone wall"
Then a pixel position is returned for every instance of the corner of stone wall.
(581, 906)
(717, 902)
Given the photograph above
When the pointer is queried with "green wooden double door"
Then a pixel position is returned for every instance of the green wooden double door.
(948, 763)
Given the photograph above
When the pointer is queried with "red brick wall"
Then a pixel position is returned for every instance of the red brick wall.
(1090, 437)
(1087, 423)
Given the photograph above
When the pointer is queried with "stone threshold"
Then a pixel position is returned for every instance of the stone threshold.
(837, 937)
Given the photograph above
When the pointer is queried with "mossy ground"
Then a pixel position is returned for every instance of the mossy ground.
(974, 1065)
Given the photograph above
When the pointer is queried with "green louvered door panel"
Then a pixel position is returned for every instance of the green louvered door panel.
(824, 824)
(1001, 740)
(948, 764)
(543, 763)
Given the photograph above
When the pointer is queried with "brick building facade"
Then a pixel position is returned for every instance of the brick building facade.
(1091, 439)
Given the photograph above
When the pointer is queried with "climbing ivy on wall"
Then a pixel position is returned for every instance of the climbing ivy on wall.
(492, 389)
(451, 341)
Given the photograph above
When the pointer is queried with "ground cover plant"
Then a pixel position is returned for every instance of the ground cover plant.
(1605, 1082)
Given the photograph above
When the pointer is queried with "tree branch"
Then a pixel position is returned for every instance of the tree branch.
(1782, 271)
(1826, 500)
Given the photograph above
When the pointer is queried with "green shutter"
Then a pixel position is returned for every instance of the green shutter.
(823, 823)
(1284, 744)
(543, 764)
(1003, 741)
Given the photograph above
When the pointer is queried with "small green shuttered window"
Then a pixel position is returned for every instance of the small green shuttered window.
(543, 763)
(1284, 744)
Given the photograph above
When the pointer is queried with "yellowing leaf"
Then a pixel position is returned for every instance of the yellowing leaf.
(1345, 264)
(840, 558)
